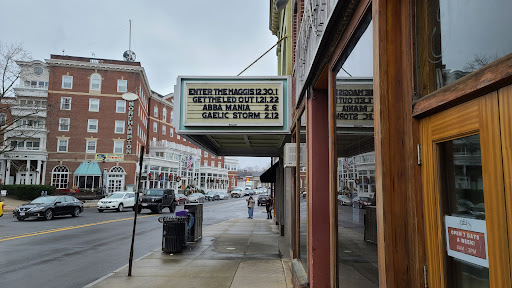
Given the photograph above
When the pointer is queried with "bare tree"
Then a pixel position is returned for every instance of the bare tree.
(480, 60)
(10, 71)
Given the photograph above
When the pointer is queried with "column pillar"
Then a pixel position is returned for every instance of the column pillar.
(8, 172)
(158, 177)
(27, 174)
(2, 171)
(43, 174)
(319, 247)
(400, 231)
(38, 172)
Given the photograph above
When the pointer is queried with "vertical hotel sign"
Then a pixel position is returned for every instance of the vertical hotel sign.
(354, 102)
(129, 128)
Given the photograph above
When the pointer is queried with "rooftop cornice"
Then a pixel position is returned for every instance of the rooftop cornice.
(101, 66)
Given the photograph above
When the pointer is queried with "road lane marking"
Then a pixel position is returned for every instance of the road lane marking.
(67, 228)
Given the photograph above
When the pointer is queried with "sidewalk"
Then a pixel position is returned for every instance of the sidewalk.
(236, 253)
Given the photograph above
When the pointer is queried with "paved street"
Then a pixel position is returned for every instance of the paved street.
(72, 252)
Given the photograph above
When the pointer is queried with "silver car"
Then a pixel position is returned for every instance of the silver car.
(223, 196)
(196, 198)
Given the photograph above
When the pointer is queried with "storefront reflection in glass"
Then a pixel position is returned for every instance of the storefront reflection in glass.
(458, 37)
(357, 221)
(303, 197)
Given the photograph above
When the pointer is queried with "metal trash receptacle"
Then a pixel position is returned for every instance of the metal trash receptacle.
(174, 235)
(196, 231)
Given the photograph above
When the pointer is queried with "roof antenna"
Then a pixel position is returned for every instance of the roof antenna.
(129, 55)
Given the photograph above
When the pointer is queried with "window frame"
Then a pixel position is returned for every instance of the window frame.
(67, 77)
(62, 102)
(68, 124)
(59, 145)
(116, 125)
(90, 105)
(125, 85)
(89, 124)
(87, 146)
(122, 147)
(94, 77)
(118, 102)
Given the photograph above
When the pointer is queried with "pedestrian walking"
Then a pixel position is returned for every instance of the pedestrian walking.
(250, 206)
(269, 204)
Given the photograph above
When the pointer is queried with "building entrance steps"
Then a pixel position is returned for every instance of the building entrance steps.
(237, 253)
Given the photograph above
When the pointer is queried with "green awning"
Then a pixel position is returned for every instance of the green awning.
(88, 169)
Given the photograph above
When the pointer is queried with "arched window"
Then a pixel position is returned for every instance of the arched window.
(116, 179)
(60, 177)
(117, 169)
(95, 82)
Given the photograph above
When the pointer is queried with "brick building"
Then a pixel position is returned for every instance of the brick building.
(94, 135)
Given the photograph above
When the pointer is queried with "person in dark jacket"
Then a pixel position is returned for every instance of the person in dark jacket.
(269, 204)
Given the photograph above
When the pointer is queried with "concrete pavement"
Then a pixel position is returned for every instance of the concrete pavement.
(237, 253)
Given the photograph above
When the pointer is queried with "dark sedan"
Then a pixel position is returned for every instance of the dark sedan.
(262, 199)
(211, 196)
(49, 206)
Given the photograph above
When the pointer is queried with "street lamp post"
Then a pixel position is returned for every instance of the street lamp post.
(133, 97)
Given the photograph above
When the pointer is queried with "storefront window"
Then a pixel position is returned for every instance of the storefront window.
(357, 221)
(457, 37)
(303, 197)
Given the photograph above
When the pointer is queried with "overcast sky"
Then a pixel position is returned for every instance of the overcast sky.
(169, 38)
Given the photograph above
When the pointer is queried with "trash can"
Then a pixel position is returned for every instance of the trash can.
(195, 212)
(174, 234)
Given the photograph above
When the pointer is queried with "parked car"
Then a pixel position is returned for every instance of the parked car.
(181, 199)
(262, 199)
(211, 196)
(236, 193)
(158, 199)
(117, 201)
(361, 202)
(49, 206)
(1, 208)
(344, 200)
(196, 198)
(223, 196)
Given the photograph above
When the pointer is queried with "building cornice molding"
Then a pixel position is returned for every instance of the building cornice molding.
(101, 66)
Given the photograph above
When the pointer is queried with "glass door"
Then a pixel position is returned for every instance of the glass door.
(465, 199)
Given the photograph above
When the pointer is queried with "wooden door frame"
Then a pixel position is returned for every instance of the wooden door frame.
(479, 116)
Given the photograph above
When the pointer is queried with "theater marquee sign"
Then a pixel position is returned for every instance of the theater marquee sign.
(232, 104)
(354, 102)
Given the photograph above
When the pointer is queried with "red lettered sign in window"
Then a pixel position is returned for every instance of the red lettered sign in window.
(467, 242)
